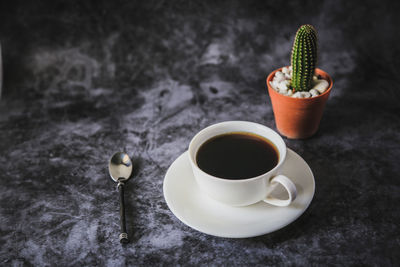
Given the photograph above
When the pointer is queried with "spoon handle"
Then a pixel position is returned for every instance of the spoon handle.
(123, 237)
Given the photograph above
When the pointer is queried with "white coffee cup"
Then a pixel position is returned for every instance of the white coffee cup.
(248, 191)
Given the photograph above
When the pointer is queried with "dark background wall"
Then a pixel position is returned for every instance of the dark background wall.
(354, 36)
(91, 77)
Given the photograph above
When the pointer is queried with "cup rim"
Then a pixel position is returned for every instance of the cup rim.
(282, 156)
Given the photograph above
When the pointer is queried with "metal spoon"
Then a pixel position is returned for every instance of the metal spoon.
(120, 168)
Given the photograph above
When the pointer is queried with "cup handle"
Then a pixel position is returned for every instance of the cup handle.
(288, 185)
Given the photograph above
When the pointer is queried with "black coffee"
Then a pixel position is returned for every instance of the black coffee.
(237, 155)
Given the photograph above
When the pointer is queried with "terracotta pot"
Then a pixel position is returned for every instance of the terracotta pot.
(298, 118)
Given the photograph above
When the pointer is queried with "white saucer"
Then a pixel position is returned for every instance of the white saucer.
(206, 215)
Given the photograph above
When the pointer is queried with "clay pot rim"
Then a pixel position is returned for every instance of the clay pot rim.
(319, 71)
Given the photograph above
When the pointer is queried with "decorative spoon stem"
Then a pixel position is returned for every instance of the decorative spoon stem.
(123, 237)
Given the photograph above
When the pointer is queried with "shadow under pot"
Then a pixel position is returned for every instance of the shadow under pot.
(298, 118)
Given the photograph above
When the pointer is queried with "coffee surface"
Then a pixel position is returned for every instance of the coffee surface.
(237, 155)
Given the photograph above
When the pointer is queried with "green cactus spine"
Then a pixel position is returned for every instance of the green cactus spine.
(304, 58)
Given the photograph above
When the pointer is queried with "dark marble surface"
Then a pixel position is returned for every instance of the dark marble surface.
(84, 79)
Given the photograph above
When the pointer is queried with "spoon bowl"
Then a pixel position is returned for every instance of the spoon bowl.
(120, 167)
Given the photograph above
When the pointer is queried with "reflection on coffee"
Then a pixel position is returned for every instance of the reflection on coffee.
(237, 155)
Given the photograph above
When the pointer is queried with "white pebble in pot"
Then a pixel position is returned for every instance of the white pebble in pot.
(305, 94)
(301, 95)
(282, 88)
(296, 95)
(273, 85)
(278, 74)
(314, 92)
(321, 86)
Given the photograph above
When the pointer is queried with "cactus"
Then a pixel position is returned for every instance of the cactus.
(304, 58)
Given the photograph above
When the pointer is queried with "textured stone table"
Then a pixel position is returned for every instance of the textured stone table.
(83, 80)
